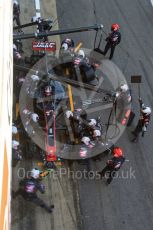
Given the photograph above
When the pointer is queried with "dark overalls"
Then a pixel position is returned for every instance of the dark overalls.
(112, 167)
(113, 40)
(28, 191)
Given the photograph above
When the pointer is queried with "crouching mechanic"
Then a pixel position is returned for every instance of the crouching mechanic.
(89, 140)
(95, 128)
(30, 121)
(77, 119)
(91, 137)
(143, 122)
(113, 165)
(87, 69)
(123, 94)
(90, 128)
(29, 188)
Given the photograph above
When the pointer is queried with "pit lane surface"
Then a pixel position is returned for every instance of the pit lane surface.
(126, 203)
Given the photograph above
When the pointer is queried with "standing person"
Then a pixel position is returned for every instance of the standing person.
(16, 152)
(29, 117)
(14, 129)
(29, 188)
(16, 13)
(143, 122)
(43, 25)
(113, 165)
(113, 39)
(87, 70)
(16, 55)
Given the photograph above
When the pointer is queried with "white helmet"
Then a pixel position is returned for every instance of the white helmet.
(14, 47)
(96, 133)
(68, 114)
(14, 129)
(26, 111)
(34, 77)
(21, 80)
(92, 122)
(124, 87)
(34, 117)
(65, 46)
(34, 19)
(146, 110)
(15, 2)
(81, 54)
(85, 140)
(35, 173)
(15, 144)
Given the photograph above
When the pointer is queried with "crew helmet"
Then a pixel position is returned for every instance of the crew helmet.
(35, 77)
(15, 144)
(92, 122)
(81, 54)
(85, 140)
(15, 3)
(34, 117)
(14, 129)
(65, 46)
(115, 27)
(26, 112)
(124, 87)
(146, 110)
(117, 151)
(96, 133)
(35, 173)
(68, 114)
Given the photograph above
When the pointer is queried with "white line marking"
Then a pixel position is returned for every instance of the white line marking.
(38, 15)
(37, 4)
(151, 2)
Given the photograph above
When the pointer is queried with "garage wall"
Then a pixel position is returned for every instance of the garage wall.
(6, 80)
